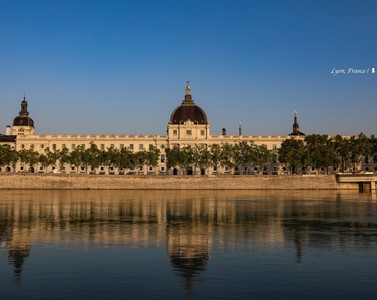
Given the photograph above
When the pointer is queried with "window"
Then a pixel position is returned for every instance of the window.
(72, 168)
(202, 132)
(366, 159)
(102, 146)
(73, 146)
(42, 146)
(141, 146)
(150, 146)
(21, 131)
(162, 168)
(163, 158)
(175, 132)
(112, 146)
(83, 146)
(131, 146)
(121, 146)
(188, 132)
(21, 168)
(63, 146)
(53, 146)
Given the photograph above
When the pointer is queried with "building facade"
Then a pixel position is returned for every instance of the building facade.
(188, 125)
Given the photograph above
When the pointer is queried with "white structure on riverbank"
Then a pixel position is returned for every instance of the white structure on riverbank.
(188, 125)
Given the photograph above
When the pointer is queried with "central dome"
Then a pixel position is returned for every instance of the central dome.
(188, 110)
(23, 118)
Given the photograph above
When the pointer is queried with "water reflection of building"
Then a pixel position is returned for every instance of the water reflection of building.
(13, 240)
(188, 242)
(18, 251)
(189, 223)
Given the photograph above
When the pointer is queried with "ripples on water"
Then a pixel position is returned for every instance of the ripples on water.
(187, 244)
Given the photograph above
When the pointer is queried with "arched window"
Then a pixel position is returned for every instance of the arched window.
(21, 131)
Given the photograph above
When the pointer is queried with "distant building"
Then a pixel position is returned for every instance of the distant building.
(188, 125)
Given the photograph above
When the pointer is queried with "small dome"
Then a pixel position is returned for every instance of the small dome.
(23, 121)
(23, 118)
(188, 110)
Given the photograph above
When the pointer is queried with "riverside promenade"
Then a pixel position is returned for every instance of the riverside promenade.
(17, 181)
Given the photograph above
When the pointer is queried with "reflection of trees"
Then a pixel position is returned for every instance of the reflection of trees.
(18, 249)
(190, 224)
(322, 224)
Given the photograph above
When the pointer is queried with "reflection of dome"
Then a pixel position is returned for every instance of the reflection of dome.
(188, 110)
(189, 259)
(23, 119)
(16, 257)
(188, 250)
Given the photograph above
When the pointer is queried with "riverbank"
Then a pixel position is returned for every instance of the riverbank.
(13, 181)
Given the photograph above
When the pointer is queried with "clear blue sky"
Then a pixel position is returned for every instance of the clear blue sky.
(121, 66)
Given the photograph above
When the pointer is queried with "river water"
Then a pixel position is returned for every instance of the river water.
(187, 245)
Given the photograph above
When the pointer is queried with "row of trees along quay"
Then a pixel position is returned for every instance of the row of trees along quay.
(295, 155)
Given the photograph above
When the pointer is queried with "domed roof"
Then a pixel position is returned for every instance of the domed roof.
(23, 118)
(188, 110)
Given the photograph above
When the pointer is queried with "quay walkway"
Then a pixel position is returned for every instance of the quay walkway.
(364, 181)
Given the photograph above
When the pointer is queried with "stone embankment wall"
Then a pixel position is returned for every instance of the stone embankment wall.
(93, 182)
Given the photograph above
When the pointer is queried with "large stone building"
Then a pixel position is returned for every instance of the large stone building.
(188, 125)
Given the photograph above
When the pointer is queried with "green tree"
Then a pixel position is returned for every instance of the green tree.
(29, 157)
(172, 157)
(215, 155)
(321, 151)
(153, 157)
(64, 158)
(343, 150)
(244, 154)
(140, 159)
(186, 158)
(263, 156)
(126, 159)
(293, 153)
(360, 148)
(201, 157)
(93, 157)
(227, 156)
(76, 157)
(8, 156)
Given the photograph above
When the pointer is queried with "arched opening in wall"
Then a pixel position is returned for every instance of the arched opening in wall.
(1, 169)
(189, 171)
(202, 172)
(7, 169)
(31, 170)
(175, 171)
